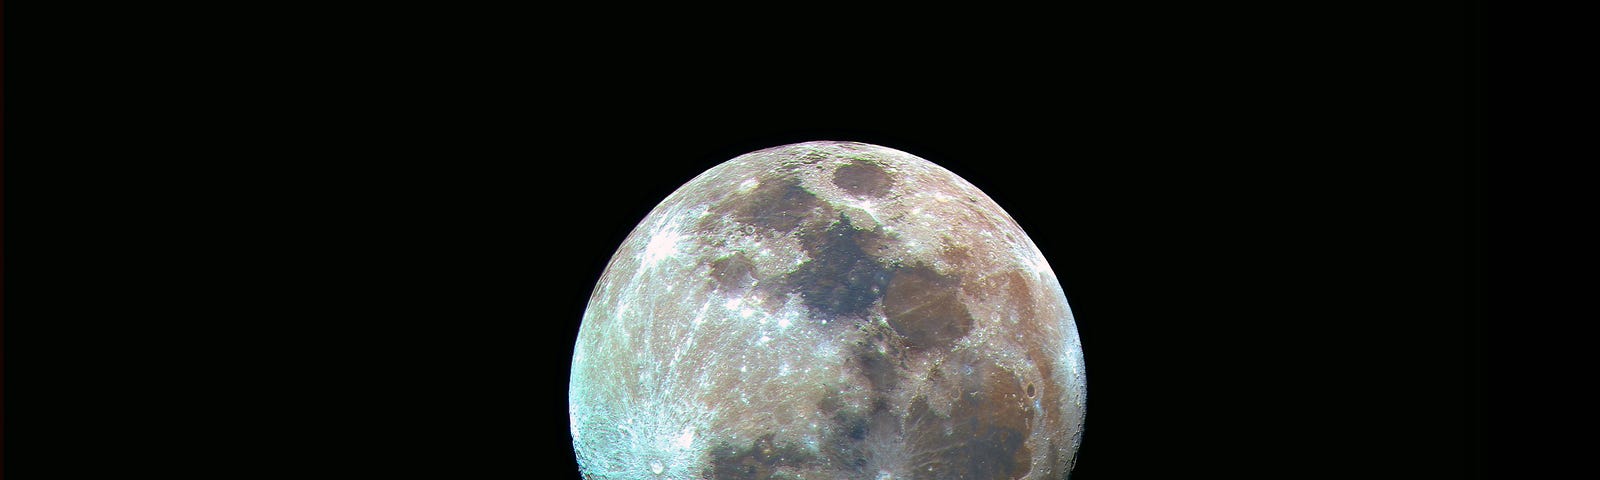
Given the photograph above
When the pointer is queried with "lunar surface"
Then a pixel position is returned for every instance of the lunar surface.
(827, 310)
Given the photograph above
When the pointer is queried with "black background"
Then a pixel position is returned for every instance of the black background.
(1264, 227)
(1265, 219)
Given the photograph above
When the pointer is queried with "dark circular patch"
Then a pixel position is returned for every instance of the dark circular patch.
(779, 204)
(863, 179)
(926, 308)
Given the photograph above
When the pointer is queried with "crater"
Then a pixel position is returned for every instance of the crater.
(734, 272)
(863, 179)
(1052, 393)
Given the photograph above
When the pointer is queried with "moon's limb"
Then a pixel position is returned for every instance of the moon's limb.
(827, 310)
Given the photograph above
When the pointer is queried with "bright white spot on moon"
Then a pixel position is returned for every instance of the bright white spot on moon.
(700, 317)
(662, 245)
(783, 322)
(656, 468)
(686, 439)
(748, 185)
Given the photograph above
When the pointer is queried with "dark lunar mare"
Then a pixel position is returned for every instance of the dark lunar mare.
(758, 461)
(840, 280)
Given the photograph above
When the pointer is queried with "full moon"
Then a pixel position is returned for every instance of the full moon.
(827, 310)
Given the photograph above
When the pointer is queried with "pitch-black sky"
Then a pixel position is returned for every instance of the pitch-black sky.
(1261, 225)
(1264, 218)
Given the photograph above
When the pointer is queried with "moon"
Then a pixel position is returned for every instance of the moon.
(827, 310)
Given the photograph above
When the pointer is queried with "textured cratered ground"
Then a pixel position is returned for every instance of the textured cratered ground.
(827, 310)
